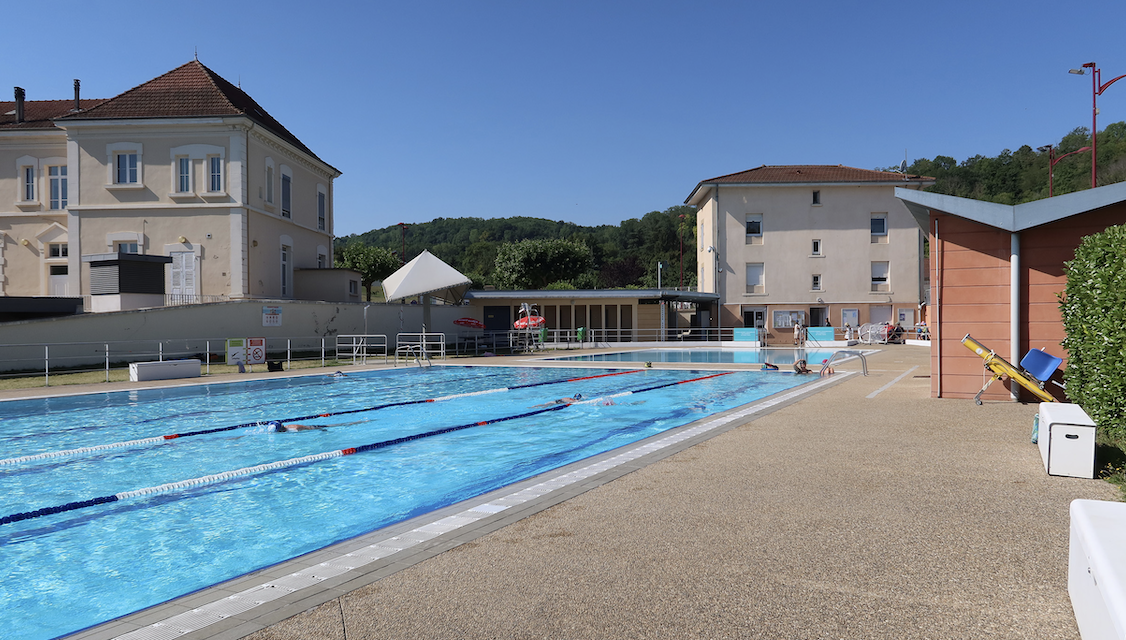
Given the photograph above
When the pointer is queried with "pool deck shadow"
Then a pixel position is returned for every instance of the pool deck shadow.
(865, 510)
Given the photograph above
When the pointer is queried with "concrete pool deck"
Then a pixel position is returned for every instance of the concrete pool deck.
(865, 510)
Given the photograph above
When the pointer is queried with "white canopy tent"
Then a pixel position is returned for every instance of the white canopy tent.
(426, 276)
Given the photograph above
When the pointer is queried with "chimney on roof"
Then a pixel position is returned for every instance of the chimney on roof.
(77, 103)
(19, 104)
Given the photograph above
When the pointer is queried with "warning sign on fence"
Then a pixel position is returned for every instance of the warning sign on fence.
(255, 350)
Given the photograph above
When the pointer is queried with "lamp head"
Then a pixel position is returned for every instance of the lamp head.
(1077, 72)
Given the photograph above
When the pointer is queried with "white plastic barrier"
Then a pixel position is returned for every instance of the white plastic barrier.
(1096, 569)
(165, 370)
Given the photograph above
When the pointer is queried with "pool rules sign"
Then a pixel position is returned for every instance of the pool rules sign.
(271, 316)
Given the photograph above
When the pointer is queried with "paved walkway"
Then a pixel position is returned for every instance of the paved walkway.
(844, 515)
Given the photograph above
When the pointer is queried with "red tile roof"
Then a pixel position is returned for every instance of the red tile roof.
(37, 114)
(810, 174)
(188, 91)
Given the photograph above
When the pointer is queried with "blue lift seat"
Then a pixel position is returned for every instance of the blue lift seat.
(1040, 365)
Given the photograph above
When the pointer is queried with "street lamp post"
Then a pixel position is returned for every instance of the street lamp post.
(1096, 90)
(1052, 160)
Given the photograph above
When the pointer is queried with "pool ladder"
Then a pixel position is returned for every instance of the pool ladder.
(833, 358)
(413, 350)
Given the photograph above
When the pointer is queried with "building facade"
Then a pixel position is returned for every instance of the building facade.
(186, 166)
(816, 244)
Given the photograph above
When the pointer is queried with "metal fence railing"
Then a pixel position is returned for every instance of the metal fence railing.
(21, 360)
(47, 359)
(361, 347)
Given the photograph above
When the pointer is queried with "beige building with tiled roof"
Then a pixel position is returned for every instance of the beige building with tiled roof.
(187, 167)
(820, 244)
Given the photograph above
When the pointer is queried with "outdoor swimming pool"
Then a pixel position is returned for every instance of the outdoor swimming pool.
(709, 355)
(69, 570)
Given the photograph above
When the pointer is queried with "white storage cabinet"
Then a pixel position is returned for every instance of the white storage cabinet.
(1067, 440)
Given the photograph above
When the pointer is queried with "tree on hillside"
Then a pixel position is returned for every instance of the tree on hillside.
(534, 264)
(373, 263)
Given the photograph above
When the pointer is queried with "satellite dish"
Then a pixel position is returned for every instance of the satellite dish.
(903, 166)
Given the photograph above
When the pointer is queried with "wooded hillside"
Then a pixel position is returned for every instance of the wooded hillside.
(624, 255)
(1013, 177)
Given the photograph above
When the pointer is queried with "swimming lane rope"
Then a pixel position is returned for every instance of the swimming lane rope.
(272, 466)
(246, 471)
(165, 438)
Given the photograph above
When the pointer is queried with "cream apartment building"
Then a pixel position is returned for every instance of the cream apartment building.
(186, 166)
(819, 244)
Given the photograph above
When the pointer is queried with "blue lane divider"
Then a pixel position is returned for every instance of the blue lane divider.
(259, 423)
(228, 475)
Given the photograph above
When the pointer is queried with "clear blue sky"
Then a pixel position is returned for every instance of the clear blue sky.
(595, 112)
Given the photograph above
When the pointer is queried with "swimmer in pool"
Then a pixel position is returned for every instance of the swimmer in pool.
(766, 366)
(800, 367)
(278, 427)
(575, 398)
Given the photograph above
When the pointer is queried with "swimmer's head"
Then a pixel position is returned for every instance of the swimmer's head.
(277, 426)
(578, 396)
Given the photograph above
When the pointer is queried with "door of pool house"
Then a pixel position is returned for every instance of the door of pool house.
(754, 317)
(818, 316)
(498, 318)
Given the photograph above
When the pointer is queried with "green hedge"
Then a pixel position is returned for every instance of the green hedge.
(1094, 317)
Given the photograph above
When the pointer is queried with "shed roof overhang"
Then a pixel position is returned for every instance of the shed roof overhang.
(1011, 218)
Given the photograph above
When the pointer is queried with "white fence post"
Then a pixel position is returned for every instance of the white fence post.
(46, 366)
(107, 362)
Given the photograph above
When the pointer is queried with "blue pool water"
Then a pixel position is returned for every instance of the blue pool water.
(67, 571)
(709, 355)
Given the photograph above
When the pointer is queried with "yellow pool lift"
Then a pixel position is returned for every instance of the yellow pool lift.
(1035, 369)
